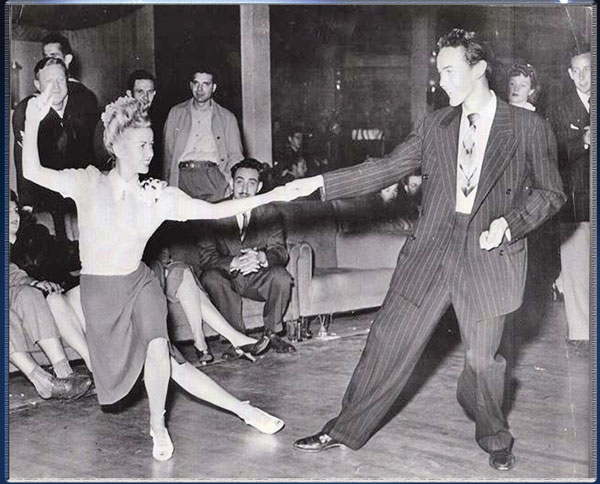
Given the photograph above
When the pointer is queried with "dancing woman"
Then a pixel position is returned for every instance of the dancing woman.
(124, 307)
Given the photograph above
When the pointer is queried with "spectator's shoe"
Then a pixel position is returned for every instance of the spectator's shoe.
(204, 357)
(279, 345)
(257, 348)
(317, 443)
(502, 460)
(234, 353)
(70, 388)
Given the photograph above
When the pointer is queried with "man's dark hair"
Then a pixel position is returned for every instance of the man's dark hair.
(56, 38)
(204, 70)
(139, 74)
(579, 48)
(475, 49)
(49, 61)
(251, 163)
(292, 130)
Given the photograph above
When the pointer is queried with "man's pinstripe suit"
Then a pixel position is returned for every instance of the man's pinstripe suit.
(443, 264)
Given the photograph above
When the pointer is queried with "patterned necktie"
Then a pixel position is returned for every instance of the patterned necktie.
(467, 159)
(244, 228)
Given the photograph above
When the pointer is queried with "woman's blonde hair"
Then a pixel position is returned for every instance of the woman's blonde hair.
(124, 113)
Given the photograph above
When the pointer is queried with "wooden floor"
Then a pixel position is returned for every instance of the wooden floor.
(430, 438)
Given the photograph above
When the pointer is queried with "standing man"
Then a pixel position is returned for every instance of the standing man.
(570, 118)
(65, 140)
(246, 257)
(201, 142)
(58, 46)
(489, 177)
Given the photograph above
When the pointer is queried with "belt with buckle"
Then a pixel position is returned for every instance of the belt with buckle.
(194, 164)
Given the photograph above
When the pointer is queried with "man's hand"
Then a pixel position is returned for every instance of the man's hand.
(493, 237)
(249, 261)
(38, 106)
(305, 186)
(587, 139)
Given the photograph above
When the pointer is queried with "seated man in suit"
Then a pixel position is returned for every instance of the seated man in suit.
(246, 257)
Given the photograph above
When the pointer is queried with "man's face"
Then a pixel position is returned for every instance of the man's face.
(299, 169)
(580, 72)
(296, 141)
(55, 76)
(413, 186)
(457, 77)
(389, 193)
(519, 89)
(202, 87)
(246, 183)
(144, 92)
(14, 220)
(55, 50)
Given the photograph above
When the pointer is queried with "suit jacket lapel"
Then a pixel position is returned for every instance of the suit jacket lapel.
(501, 144)
(447, 150)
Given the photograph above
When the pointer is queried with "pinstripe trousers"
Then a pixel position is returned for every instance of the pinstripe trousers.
(396, 341)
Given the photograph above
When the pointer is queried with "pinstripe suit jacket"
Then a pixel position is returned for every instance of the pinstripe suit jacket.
(519, 181)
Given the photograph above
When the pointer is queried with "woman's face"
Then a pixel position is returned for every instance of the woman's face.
(519, 89)
(134, 149)
(14, 221)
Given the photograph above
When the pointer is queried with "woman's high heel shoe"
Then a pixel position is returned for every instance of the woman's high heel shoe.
(262, 421)
(162, 449)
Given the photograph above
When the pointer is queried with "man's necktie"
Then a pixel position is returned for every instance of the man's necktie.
(466, 162)
(244, 228)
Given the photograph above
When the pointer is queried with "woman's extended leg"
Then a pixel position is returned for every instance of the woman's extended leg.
(69, 325)
(205, 388)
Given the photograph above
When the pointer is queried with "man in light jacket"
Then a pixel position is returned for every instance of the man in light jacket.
(201, 142)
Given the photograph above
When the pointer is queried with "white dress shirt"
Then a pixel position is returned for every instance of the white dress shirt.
(464, 204)
(585, 99)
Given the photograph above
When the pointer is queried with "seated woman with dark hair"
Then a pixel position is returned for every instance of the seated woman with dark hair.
(33, 321)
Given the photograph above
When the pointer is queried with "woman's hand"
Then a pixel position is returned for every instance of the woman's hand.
(48, 287)
(38, 106)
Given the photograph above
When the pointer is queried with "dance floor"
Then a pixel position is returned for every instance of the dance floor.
(429, 438)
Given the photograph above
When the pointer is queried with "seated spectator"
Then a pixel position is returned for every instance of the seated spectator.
(186, 296)
(523, 86)
(141, 85)
(246, 257)
(393, 209)
(31, 322)
(65, 141)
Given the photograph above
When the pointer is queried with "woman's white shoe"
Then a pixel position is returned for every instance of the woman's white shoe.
(262, 421)
(162, 446)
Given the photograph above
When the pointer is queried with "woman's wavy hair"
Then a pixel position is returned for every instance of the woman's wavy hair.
(522, 68)
(120, 115)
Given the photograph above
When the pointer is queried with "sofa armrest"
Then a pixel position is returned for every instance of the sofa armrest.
(304, 277)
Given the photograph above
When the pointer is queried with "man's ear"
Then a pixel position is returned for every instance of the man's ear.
(128, 93)
(259, 187)
(231, 184)
(480, 68)
(214, 87)
(571, 74)
(36, 83)
(68, 59)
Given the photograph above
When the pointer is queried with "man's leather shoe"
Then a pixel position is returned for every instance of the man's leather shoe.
(502, 460)
(317, 443)
(257, 348)
(70, 388)
(204, 356)
(281, 346)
